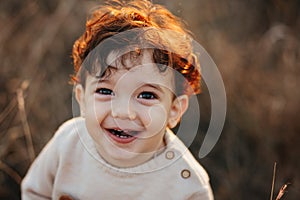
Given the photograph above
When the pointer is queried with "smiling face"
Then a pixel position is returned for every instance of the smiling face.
(127, 112)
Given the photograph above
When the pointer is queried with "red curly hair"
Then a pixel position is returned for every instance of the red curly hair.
(148, 23)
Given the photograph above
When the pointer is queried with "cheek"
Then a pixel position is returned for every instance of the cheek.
(96, 111)
(155, 118)
(95, 115)
(103, 113)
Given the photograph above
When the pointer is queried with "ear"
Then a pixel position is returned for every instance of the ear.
(179, 106)
(79, 95)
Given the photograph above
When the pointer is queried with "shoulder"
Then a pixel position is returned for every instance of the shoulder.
(192, 165)
(66, 136)
(70, 128)
(71, 125)
(190, 174)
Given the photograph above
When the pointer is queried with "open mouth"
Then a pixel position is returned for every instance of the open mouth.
(123, 135)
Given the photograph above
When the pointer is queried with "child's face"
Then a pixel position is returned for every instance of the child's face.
(127, 112)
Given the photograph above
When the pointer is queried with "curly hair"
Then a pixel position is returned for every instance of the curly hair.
(149, 24)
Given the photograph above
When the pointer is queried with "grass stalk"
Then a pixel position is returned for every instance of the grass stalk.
(23, 116)
(9, 171)
(282, 191)
(273, 181)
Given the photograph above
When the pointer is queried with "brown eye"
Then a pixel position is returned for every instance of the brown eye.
(104, 91)
(147, 95)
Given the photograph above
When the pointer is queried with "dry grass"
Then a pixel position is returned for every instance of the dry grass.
(23, 116)
(255, 45)
(282, 190)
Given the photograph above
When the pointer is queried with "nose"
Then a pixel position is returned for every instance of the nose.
(121, 108)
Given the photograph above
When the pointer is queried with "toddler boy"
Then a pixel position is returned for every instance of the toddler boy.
(134, 73)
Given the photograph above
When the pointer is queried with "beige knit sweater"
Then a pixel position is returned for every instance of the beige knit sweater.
(69, 167)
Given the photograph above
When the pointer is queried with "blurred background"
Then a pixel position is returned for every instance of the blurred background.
(255, 44)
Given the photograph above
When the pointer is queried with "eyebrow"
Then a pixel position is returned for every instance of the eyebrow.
(102, 74)
(98, 79)
(155, 86)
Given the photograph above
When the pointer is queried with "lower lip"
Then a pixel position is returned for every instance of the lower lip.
(120, 140)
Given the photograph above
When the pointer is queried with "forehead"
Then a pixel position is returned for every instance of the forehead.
(136, 68)
(140, 62)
